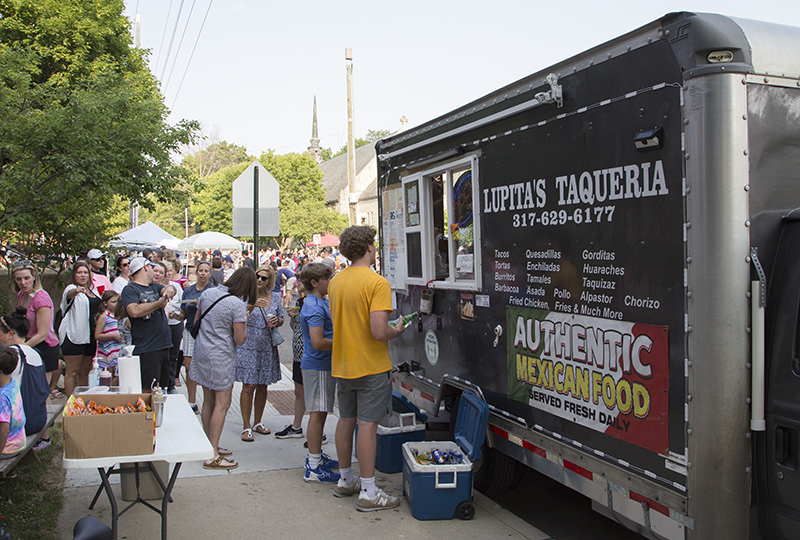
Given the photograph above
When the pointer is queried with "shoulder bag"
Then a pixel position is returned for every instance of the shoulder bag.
(277, 338)
(59, 316)
(35, 391)
(196, 328)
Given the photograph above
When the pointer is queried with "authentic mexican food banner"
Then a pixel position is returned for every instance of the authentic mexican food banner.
(611, 376)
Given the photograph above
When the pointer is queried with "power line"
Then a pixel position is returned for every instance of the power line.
(163, 35)
(192, 55)
(172, 40)
(180, 44)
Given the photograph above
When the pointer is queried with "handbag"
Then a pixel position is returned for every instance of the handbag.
(196, 328)
(277, 338)
(35, 391)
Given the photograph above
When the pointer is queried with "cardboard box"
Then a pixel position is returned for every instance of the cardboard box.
(108, 435)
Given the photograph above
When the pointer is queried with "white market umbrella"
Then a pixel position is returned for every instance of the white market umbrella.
(209, 240)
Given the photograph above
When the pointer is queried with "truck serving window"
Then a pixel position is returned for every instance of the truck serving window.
(442, 236)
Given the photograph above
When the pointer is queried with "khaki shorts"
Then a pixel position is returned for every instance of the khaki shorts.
(289, 285)
(367, 398)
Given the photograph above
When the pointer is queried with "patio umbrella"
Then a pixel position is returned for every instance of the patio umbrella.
(209, 240)
(325, 241)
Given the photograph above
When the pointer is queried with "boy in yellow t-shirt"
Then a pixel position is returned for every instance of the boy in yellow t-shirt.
(360, 303)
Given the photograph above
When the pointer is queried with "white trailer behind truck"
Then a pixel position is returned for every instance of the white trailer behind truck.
(608, 253)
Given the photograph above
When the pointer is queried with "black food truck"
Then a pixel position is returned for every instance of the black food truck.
(608, 253)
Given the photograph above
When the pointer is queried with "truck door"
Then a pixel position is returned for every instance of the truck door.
(778, 450)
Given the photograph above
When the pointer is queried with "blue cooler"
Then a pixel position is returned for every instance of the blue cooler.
(445, 491)
(392, 433)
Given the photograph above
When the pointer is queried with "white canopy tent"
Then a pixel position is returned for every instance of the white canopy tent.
(210, 240)
(146, 235)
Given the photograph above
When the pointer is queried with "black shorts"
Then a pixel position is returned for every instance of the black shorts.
(70, 349)
(297, 373)
(49, 356)
(154, 366)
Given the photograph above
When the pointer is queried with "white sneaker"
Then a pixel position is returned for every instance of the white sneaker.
(382, 501)
(345, 490)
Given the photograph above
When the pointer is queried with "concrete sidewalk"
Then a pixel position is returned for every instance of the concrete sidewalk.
(266, 495)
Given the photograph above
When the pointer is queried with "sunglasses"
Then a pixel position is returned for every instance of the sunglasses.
(262, 278)
(124, 265)
(25, 262)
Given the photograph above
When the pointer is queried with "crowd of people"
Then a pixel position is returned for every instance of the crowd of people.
(222, 328)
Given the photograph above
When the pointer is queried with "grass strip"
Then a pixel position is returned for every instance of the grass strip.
(31, 499)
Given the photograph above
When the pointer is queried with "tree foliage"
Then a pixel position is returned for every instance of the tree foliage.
(217, 155)
(302, 198)
(212, 204)
(371, 136)
(83, 125)
(302, 205)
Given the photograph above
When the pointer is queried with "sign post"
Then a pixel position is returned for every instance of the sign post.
(255, 209)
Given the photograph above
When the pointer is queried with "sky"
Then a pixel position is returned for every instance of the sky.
(251, 74)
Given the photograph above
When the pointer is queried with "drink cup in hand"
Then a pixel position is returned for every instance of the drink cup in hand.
(272, 320)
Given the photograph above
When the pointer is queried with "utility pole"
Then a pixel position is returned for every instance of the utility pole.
(351, 141)
(136, 41)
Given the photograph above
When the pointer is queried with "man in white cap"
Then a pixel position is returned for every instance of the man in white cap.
(97, 262)
(144, 303)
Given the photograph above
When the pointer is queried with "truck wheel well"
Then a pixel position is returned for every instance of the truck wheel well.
(495, 471)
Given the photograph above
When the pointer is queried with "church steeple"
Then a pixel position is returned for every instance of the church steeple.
(315, 150)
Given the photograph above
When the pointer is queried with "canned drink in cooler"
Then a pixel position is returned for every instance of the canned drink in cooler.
(438, 456)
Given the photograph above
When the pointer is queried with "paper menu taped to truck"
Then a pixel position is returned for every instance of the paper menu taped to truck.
(393, 261)
(610, 376)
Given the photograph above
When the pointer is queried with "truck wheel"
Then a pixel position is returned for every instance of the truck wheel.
(465, 510)
(494, 473)
(523, 476)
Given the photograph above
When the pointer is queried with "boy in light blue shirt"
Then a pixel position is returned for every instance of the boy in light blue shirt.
(12, 415)
(319, 386)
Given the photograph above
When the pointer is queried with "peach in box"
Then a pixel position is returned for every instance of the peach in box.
(107, 435)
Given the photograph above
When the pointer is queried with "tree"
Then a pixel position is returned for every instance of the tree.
(372, 136)
(307, 218)
(84, 125)
(218, 155)
(302, 200)
(212, 205)
(302, 203)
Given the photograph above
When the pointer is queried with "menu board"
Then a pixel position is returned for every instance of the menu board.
(393, 245)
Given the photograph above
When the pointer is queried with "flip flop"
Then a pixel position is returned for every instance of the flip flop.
(261, 428)
(55, 394)
(247, 435)
(220, 463)
(224, 452)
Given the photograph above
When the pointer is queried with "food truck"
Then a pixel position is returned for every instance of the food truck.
(608, 253)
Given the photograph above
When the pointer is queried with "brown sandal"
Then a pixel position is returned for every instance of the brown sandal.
(247, 435)
(220, 463)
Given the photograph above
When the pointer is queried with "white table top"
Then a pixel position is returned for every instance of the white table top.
(179, 439)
